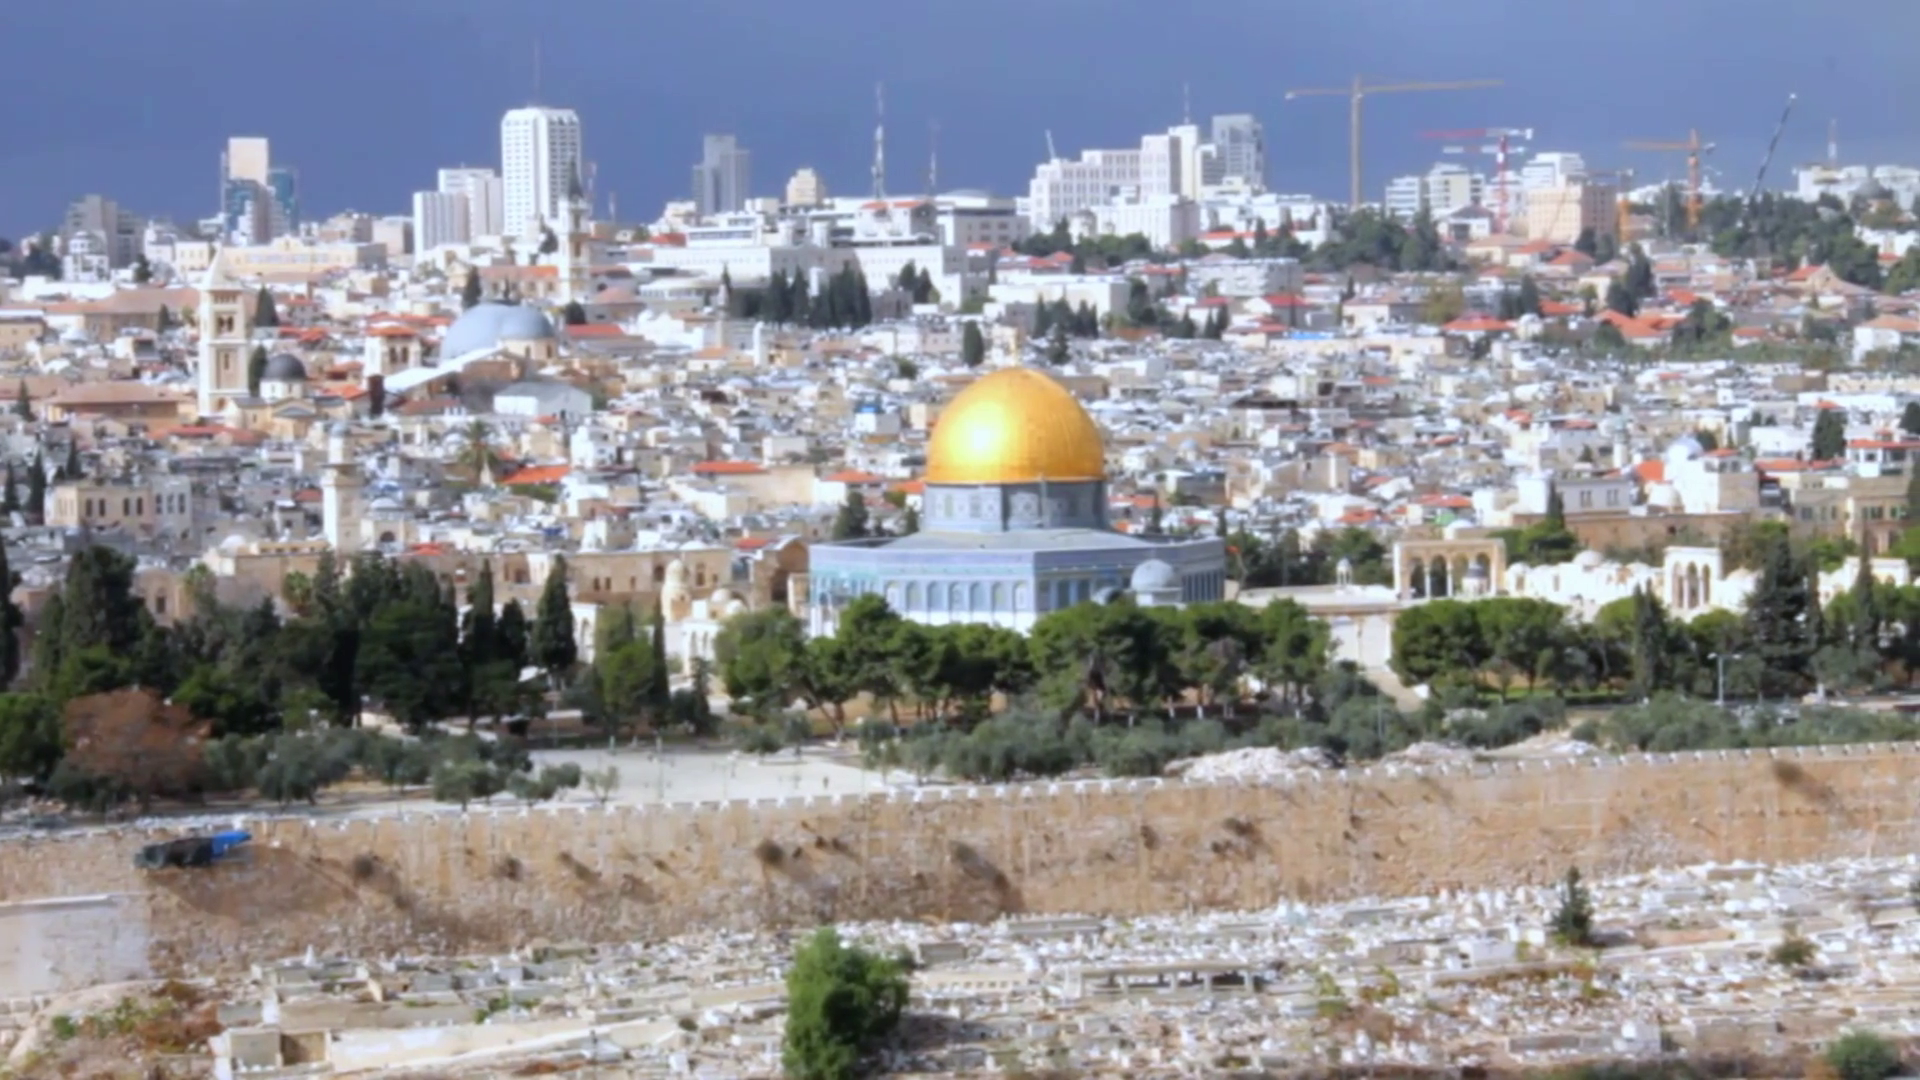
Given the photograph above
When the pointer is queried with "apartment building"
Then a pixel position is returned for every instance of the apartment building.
(151, 505)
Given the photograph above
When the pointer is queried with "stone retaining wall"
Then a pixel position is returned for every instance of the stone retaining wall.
(451, 882)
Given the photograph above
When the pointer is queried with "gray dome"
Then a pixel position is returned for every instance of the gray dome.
(486, 325)
(284, 367)
(1151, 576)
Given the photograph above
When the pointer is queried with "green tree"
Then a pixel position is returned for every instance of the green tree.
(1829, 436)
(29, 736)
(71, 470)
(10, 492)
(1440, 639)
(973, 346)
(762, 658)
(1862, 1055)
(36, 504)
(142, 269)
(409, 660)
(1058, 348)
(851, 523)
(627, 679)
(1781, 618)
(574, 314)
(265, 313)
(910, 521)
(23, 402)
(551, 641)
(842, 1001)
(1528, 299)
(1621, 299)
(470, 294)
(1573, 920)
(256, 369)
(1910, 416)
(11, 621)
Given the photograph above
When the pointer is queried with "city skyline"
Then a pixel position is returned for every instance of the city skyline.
(991, 131)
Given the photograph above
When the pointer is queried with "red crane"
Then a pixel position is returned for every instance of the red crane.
(1506, 140)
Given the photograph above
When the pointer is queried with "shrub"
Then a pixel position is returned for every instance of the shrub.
(1793, 951)
(841, 1001)
(1862, 1055)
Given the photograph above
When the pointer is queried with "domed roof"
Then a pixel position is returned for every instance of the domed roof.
(1684, 448)
(1151, 576)
(677, 572)
(487, 324)
(1015, 426)
(284, 367)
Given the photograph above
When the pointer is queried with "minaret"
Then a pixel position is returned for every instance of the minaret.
(224, 335)
(880, 143)
(340, 485)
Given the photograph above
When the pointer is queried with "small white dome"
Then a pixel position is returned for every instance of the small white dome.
(737, 607)
(721, 597)
(1151, 576)
(1684, 448)
(1588, 560)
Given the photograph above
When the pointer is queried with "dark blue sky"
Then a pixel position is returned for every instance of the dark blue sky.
(368, 97)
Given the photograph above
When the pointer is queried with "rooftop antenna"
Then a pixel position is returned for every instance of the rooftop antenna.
(880, 142)
(1186, 103)
(1833, 144)
(933, 158)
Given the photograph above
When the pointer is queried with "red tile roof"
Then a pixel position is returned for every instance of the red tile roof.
(538, 474)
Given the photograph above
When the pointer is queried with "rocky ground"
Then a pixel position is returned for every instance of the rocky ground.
(1687, 963)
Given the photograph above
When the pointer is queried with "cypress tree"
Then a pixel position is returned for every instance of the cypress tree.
(72, 470)
(470, 292)
(973, 347)
(478, 636)
(23, 402)
(10, 623)
(851, 522)
(1780, 619)
(510, 635)
(923, 287)
(1865, 631)
(552, 642)
(660, 686)
(37, 487)
(265, 313)
(256, 369)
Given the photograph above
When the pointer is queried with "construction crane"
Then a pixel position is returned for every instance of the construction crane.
(1772, 144)
(1359, 91)
(1695, 150)
(1052, 154)
(1506, 141)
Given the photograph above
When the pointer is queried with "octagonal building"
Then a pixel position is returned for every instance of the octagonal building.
(1013, 523)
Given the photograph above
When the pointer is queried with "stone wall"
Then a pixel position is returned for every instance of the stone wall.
(450, 882)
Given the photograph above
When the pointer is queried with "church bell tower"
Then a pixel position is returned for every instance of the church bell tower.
(225, 336)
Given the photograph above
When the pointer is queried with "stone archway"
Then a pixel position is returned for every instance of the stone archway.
(1422, 567)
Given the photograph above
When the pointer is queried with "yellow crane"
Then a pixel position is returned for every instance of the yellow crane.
(1695, 150)
(1360, 90)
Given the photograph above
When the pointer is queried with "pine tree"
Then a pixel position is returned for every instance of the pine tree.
(162, 320)
(265, 313)
(23, 402)
(851, 522)
(470, 293)
(511, 635)
(910, 521)
(1779, 618)
(71, 470)
(1154, 517)
(551, 641)
(574, 314)
(973, 345)
(256, 369)
(142, 269)
(1648, 644)
(1910, 416)
(923, 287)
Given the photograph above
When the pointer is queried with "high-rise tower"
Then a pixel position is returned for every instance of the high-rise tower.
(540, 152)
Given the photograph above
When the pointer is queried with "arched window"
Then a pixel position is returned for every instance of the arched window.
(936, 598)
(977, 598)
(915, 599)
(999, 597)
(956, 598)
(893, 595)
(1020, 596)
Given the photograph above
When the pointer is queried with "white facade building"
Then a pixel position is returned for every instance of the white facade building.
(1060, 187)
(1240, 150)
(1166, 221)
(1553, 169)
(539, 157)
(439, 218)
(722, 179)
(481, 187)
(1443, 189)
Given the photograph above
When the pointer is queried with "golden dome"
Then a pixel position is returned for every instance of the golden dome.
(1015, 426)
